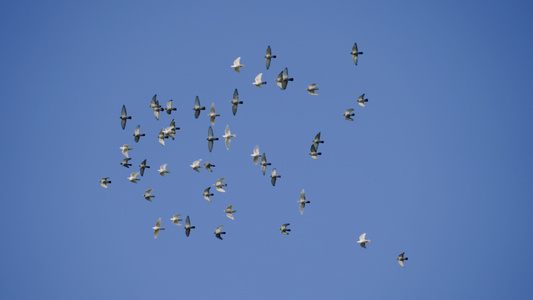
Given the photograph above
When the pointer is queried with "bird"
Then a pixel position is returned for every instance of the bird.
(169, 108)
(348, 113)
(218, 232)
(163, 169)
(138, 133)
(400, 259)
(258, 81)
(125, 150)
(314, 154)
(104, 181)
(176, 220)
(268, 57)
(208, 166)
(125, 162)
(197, 108)
(229, 212)
(362, 240)
(283, 79)
(237, 64)
(143, 166)
(317, 141)
(154, 105)
(355, 53)
(264, 163)
(157, 227)
(212, 114)
(170, 131)
(219, 185)
(302, 201)
(235, 102)
(123, 117)
(227, 135)
(207, 194)
(147, 195)
(188, 226)
(210, 138)
(255, 155)
(161, 137)
(274, 176)
(133, 177)
(196, 165)
(284, 229)
(361, 100)
(312, 88)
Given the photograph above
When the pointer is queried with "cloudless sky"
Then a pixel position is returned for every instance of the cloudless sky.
(438, 165)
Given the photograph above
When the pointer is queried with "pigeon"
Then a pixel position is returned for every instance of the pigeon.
(229, 212)
(264, 163)
(258, 81)
(143, 166)
(361, 100)
(169, 108)
(218, 232)
(283, 79)
(147, 195)
(154, 105)
(197, 108)
(227, 135)
(163, 169)
(188, 226)
(138, 133)
(176, 220)
(355, 53)
(235, 102)
(208, 166)
(362, 240)
(317, 141)
(274, 176)
(161, 137)
(210, 138)
(219, 185)
(255, 155)
(157, 227)
(268, 57)
(314, 154)
(104, 181)
(284, 229)
(207, 194)
(312, 88)
(125, 162)
(170, 131)
(212, 114)
(302, 202)
(348, 113)
(125, 150)
(196, 165)
(400, 259)
(123, 117)
(237, 65)
(133, 177)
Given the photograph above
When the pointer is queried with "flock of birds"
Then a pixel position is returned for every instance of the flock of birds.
(282, 81)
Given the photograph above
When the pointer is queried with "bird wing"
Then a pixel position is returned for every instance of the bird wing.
(312, 85)
(234, 108)
(212, 109)
(236, 95)
(401, 255)
(187, 231)
(227, 130)
(362, 237)
(285, 75)
(237, 61)
(210, 145)
(258, 78)
(156, 113)
(169, 104)
(219, 181)
(219, 228)
(354, 57)
(123, 123)
(302, 206)
(134, 175)
(273, 181)
(362, 104)
(269, 51)
(302, 195)
(401, 263)
(197, 102)
(188, 222)
(210, 132)
(354, 48)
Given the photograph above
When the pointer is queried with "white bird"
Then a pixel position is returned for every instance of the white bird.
(255, 155)
(188, 226)
(137, 135)
(361, 100)
(284, 229)
(169, 107)
(133, 177)
(104, 181)
(196, 165)
(312, 88)
(355, 53)
(207, 194)
(362, 240)
(157, 227)
(229, 212)
(212, 114)
(314, 153)
(125, 150)
(264, 163)
(258, 81)
(274, 176)
(227, 135)
(197, 108)
(235, 102)
(162, 170)
(237, 64)
(208, 166)
(161, 137)
(148, 195)
(302, 202)
(142, 167)
(268, 57)
(400, 259)
(317, 141)
(210, 139)
(218, 232)
(123, 117)
(125, 162)
(219, 185)
(348, 113)
(176, 220)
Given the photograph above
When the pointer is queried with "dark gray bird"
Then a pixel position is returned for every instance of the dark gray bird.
(143, 166)
(137, 135)
(400, 259)
(218, 232)
(210, 138)
(284, 229)
(125, 162)
(283, 79)
(123, 117)
(274, 175)
(188, 226)
(104, 181)
(348, 113)
(355, 53)
(302, 202)
(361, 100)
(268, 57)
(197, 108)
(169, 108)
(314, 153)
(317, 141)
(264, 163)
(235, 102)
(207, 194)
(208, 166)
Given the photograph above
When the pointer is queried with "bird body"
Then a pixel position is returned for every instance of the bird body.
(362, 240)
(157, 227)
(133, 177)
(348, 114)
(312, 88)
(218, 232)
(284, 229)
(227, 135)
(104, 181)
(237, 64)
(302, 201)
(401, 258)
(361, 100)
(229, 212)
(258, 81)
(163, 170)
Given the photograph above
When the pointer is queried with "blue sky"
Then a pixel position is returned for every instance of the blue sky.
(437, 165)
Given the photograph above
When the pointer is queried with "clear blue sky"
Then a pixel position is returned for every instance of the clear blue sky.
(437, 165)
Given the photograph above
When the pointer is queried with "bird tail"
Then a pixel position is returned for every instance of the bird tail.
(287, 230)
(290, 79)
(406, 258)
(192, 227)
(359, 52)
(263, 82)
(273, 56)
(109, 182)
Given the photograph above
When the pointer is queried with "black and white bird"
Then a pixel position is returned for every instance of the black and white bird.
(235, 102)
(148, 195)
(274, 175)
(258, 80)
(302, 201)
(197, 108)
(284, 229)
(169, 108)
(316, 141)
(143, 166)
(283, 79)
(123, 117)
(104, 181)
(312, 88)
(207, 195)
(125, 162)
(212, 114)
(264, 163)
(237, 64)
(137, 135)
(348, 114)
(355, 53)
(229, 212)
(314, 153)
(210, 139)
(218, 232)
(268, 57)
(362, 240)
(400, 259)
(157, 227)
(361, 100)
(208, 166)
(188, 226)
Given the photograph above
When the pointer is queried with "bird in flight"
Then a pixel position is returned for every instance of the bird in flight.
(123, 117)
(312, 88)
(283, 79)
(268, 57)
(237, 64)
(157, 227)
(302, 202)
(207, 194)
(161, 137)
(258, 81)
(284, 229)
(235, 102)
(104, 181)
(348, 114)
(188, 226)
(197, 108)
(143, 166)
(163, 170)
(362, 240)
(274, 175)
(355, 53)
(314, 153)
(125, 148)
(212, 114)
(137, 135)
(264, 163)
(255, 155)
(210, 138)
(154, 105)
(361, 100)
(133, 177)
(227, 135)
(229, 212)
(125, 162)
(148, 195)
(400, 259)
(218, 232)
(176, 219)
(196, 165)
(169, 108)
(317, 141)
(208, 166)
(219, 185)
